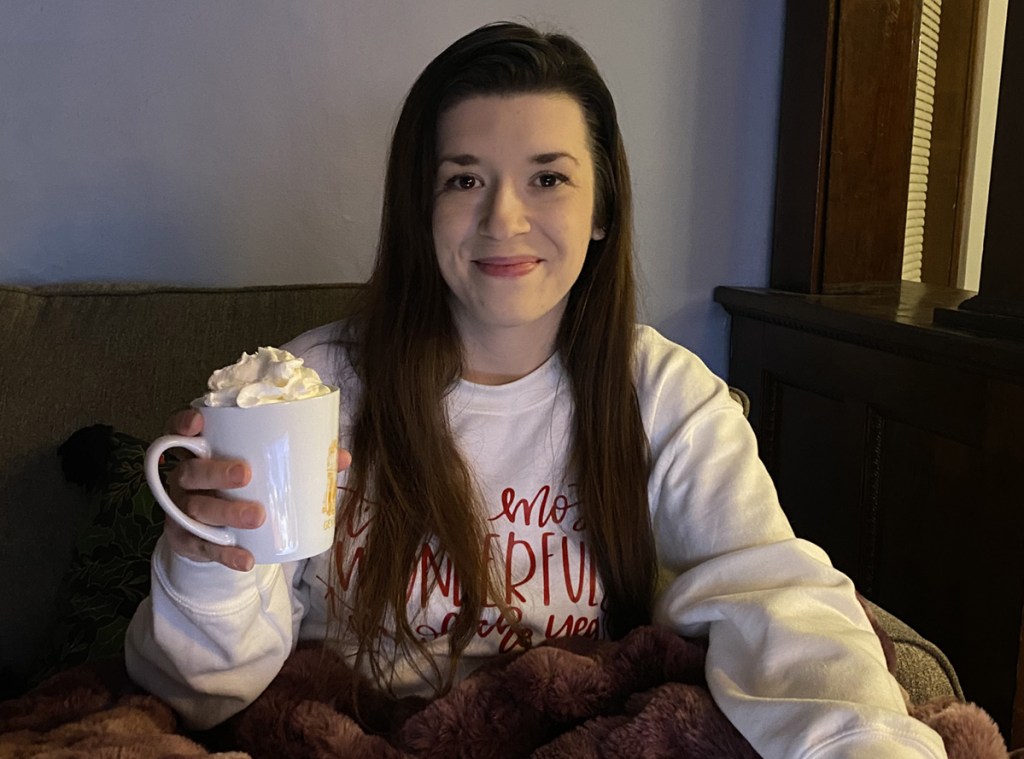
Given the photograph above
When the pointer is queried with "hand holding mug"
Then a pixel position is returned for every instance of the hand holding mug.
(193, 484)
(262, 488)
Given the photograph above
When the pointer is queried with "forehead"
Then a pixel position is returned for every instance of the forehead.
(528, 123)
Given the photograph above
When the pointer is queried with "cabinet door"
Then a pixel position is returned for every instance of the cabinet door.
(908, 473)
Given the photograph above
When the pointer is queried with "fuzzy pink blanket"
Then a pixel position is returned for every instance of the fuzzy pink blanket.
(641, 696)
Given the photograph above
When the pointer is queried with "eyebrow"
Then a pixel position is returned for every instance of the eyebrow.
(467, 159)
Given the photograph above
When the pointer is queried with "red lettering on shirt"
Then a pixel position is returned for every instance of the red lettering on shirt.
(586, 627)
(510, 632)
(545, 554)
(574, 596)
(440, 574)
(510, 585)
(428, 633)
(531, 561)
(545, 508)
(345, 574)
(357, 520)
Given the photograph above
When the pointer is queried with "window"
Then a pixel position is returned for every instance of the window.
(876, 125)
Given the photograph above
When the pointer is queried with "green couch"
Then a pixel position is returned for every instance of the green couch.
(128, 356)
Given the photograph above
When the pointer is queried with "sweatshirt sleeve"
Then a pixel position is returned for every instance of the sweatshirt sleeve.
(208, 640)
(792, 660)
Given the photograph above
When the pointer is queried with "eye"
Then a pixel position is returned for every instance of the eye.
(462, 182)
(550, 179)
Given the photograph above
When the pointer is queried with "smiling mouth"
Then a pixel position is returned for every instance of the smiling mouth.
(507, 267)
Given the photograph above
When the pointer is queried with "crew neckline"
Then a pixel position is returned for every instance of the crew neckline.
(523, 394)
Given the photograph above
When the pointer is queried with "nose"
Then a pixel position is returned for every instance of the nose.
(504, 213)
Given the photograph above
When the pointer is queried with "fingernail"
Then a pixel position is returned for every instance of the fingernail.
(251, 516)
(236, 473)
(242, 563)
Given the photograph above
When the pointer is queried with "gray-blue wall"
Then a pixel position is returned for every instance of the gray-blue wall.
(235, 142)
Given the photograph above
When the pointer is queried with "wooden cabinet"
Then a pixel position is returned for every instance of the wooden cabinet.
(898, 446)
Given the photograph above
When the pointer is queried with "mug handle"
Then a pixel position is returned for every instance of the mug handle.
(201, 448)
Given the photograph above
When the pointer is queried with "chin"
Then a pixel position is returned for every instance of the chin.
(513, 313)
(519, 317)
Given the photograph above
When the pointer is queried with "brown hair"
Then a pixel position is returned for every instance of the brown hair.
(408, 355)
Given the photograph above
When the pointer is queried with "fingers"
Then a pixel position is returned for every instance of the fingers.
(344, 459)
(191, 484)
(184, 543)
(211, 510)
(220, 512)
(185, 422)
(209, 474)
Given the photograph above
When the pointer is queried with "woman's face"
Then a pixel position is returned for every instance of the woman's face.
(513, 210)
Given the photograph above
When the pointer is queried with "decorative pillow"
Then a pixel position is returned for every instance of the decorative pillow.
(109, 574)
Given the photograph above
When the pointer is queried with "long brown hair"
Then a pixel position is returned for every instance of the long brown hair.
(406, 462)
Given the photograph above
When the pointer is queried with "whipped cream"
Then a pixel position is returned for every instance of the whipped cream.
(270, 375)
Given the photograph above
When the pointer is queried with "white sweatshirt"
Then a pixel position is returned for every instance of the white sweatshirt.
(792, 660)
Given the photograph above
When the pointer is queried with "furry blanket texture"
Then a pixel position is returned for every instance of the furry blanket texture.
(642, 696)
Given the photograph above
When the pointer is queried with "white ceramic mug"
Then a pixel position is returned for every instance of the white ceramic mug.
(292, 449)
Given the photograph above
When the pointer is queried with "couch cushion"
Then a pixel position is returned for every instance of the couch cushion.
(123, 355)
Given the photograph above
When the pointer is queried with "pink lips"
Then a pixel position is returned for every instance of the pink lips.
(516, 266)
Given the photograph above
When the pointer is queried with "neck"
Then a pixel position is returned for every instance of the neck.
(499, 355)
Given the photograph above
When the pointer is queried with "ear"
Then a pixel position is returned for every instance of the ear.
(597, 233)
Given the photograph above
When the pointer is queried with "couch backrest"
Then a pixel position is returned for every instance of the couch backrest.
(123, 355)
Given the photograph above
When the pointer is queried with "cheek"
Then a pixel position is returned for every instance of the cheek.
(446, 248)
(578, 228)
(451, 223)
(438, 226)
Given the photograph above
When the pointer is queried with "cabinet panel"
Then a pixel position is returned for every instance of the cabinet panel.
(808, 453)
(897, 446)
(950, 556)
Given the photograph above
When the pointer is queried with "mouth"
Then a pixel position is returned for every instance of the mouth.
(507, 266)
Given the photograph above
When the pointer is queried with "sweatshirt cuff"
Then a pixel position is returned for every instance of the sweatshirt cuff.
(921, 742)
(207, 586)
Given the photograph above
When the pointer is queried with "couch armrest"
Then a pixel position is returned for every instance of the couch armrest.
(921, 667)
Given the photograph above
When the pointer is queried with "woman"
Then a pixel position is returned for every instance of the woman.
(525, 456)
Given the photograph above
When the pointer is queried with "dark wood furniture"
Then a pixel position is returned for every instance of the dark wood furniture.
(898, 445)
(891, 415)
(846, 128)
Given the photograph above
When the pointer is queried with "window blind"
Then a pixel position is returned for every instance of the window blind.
(924, 107)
